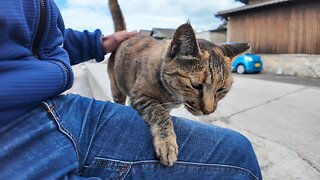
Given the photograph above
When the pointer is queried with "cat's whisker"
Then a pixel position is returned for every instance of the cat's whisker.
(219, 113)
(187, 113)
(192, 108)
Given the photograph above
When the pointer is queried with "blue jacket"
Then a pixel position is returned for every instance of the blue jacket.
(36, 54)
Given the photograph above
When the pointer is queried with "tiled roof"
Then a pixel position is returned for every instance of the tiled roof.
(250, 7)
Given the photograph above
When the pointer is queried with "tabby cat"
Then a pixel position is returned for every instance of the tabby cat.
(159, 75)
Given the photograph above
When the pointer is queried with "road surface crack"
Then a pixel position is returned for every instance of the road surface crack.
(264, 103)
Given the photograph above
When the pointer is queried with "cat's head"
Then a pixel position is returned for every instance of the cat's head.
(198, 72)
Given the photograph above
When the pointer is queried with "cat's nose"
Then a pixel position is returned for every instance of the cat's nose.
(208, 110)
(208, 105)
(205, 112)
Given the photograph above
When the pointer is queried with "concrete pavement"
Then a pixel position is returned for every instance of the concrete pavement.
(299, 80)
(281, 120)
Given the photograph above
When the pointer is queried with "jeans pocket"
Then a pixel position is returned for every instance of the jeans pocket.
(107, 168)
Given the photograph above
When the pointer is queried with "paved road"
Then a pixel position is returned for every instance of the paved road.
(282, 120)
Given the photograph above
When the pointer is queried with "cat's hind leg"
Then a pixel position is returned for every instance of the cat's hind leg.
(117, 95)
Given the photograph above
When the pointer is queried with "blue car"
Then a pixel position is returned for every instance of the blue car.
(247, 63)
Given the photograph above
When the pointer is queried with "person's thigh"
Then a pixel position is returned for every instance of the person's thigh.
(33, 147)
(113, 141)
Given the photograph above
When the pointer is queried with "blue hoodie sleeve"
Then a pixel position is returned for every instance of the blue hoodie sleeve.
(83, 46)
(26, 82)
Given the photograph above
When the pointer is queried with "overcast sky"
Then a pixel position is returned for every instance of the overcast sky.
(144, 14)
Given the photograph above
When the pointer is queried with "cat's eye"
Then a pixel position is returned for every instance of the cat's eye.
(197, 86)
(220, 90)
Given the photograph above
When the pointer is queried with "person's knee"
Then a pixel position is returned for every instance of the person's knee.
(240, 146)
(242, 142)
(214, 144)
(241, 153)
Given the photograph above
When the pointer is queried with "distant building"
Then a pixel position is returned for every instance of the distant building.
(159, 33)
(162, 33)
(215, 36)
(276, 26)
(145, 32)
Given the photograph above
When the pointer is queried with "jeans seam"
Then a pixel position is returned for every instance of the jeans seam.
(96, 130)
(56, 118)
(130, 164)
(185, 163)
(123, 170)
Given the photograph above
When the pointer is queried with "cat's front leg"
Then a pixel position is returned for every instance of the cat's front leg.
(165, 142)
(159, 119)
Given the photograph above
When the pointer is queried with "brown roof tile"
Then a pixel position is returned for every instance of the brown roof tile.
(226, 13)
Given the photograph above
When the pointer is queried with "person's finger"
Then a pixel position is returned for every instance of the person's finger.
(126, 34)
(133, 33)
(123, 35)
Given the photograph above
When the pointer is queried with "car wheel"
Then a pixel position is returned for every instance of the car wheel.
(241, 69)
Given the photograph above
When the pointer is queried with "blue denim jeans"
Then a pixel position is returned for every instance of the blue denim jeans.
(73, 137)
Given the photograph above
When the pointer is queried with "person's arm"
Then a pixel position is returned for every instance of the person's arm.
(25, 82)
(83, 46)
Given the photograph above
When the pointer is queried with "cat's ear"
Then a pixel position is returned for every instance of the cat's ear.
(233, 50)
(184, 42)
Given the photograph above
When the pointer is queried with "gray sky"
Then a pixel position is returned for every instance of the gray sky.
(144, 14)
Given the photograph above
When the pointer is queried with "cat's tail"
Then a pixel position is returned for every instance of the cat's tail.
(117, 16)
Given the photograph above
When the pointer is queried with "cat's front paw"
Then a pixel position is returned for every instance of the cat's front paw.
(166, 149)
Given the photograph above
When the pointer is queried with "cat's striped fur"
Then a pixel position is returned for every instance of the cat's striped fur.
(161, 75)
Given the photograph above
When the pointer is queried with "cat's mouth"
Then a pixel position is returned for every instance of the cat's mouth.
(192, 110)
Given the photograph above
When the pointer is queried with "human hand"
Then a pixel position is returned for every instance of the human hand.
(112, 41)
